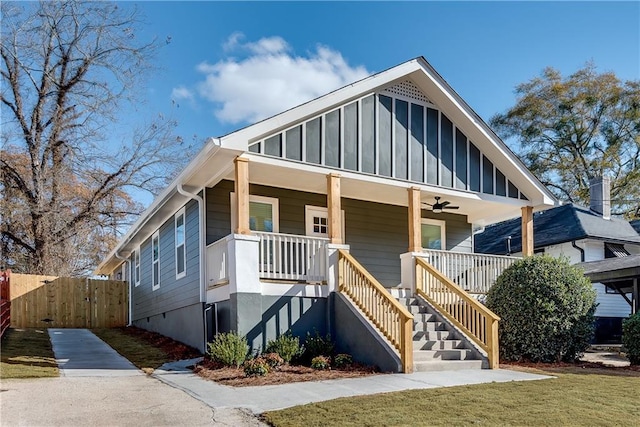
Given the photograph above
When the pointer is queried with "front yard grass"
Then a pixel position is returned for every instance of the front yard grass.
(146, 350)
(590, 397)
(27, 353)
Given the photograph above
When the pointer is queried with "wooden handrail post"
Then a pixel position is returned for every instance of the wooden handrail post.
(407, 346)
(494, 349)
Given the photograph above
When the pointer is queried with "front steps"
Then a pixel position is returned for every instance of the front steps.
(437, 346)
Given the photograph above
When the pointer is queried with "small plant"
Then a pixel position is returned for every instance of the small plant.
(286, 345)
(257, 367)
(273, 360)
(317, 345)
(230, 349)
(321, 363)
(631, 338)
(342, 360)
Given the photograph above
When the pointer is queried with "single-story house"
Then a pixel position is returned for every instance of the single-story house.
(321, 217)
(582, 235)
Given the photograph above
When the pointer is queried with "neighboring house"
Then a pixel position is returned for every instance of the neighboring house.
(582, 235)
(299, 222)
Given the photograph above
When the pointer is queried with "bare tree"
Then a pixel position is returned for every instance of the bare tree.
(69, 166)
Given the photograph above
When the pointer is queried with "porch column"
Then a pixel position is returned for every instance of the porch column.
(527, 230)
(415, 223)
(242, 195)
(334, 208)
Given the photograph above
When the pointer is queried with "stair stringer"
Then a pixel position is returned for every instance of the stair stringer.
(479, 352)
(385, 356)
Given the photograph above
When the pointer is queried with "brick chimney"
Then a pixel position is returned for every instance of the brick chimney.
(600, 196)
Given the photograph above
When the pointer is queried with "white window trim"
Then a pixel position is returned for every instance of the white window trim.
(443, 232)
(308, 217)
(136, 266)
(154, 287)
(275, 210)
(182, 213)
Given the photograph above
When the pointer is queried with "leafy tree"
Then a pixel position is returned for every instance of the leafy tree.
(572, 129)
(67, 165)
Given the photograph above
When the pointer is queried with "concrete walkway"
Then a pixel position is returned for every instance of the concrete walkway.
(79, 353)
(268, 398)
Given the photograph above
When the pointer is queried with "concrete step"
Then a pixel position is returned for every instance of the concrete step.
(458, 354)
(429, 326)
(425, 317)
(446, 365)
(434, 335)
(438, 345)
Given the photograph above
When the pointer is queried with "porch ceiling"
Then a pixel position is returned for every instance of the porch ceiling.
(480, 209)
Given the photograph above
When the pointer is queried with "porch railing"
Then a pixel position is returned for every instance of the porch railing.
(292, 257)
(217, 263)
(475, 273)
(464, 311)
(392, 318)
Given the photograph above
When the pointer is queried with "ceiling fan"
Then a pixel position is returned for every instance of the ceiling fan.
(438, 207)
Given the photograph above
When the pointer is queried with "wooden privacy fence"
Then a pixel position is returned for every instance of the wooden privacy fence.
(65, 302)
(5, 301)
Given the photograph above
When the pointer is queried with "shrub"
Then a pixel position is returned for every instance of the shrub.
(342, 360)
(631, 338)
(317, 345)
(286, 345)
(546, 308)
(321, 363)
(273, 360)
(230, 349)
(257, 367)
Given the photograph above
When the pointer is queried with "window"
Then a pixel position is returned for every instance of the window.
(155, 258)
(433, 234)
(263, 213)
(317, 221)
(135, 267)
(181, 252)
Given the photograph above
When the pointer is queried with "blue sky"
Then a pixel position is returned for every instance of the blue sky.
(227, 64)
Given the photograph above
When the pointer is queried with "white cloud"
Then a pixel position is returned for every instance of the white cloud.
(181, 92)
(270, 78)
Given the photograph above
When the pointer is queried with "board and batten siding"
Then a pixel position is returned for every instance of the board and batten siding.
(377, 233)
(172, 294)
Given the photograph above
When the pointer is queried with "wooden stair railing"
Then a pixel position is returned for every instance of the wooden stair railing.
(385, 312)
(472, 317)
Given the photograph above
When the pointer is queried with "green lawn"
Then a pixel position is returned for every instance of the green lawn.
(27, 353)
(142, 354)
(591, 397)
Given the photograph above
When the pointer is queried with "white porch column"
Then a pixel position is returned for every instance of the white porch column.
(243, 257)
(408, 270)
(332, 266)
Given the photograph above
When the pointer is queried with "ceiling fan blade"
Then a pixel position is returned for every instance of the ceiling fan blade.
(427, 204)
(451, 207)
(445, 203)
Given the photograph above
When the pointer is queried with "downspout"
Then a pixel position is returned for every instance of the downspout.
(202, 261)
(573, 243)
(126, 260)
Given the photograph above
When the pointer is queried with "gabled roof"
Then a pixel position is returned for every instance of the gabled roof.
(554, 226)
(215, 161)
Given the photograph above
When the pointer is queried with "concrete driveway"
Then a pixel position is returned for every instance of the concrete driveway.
(98, 387)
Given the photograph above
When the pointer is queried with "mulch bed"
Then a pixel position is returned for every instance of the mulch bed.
(174, 349)
(285, 374)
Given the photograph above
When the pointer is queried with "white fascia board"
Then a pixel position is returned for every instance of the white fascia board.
(240, 139)
(211, 147)
(546, 197)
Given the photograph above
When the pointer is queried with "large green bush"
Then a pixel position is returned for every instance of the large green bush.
(631, 338)
(230, 349)
(546, 308)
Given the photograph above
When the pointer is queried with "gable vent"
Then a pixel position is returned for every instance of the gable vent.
(408, 90)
